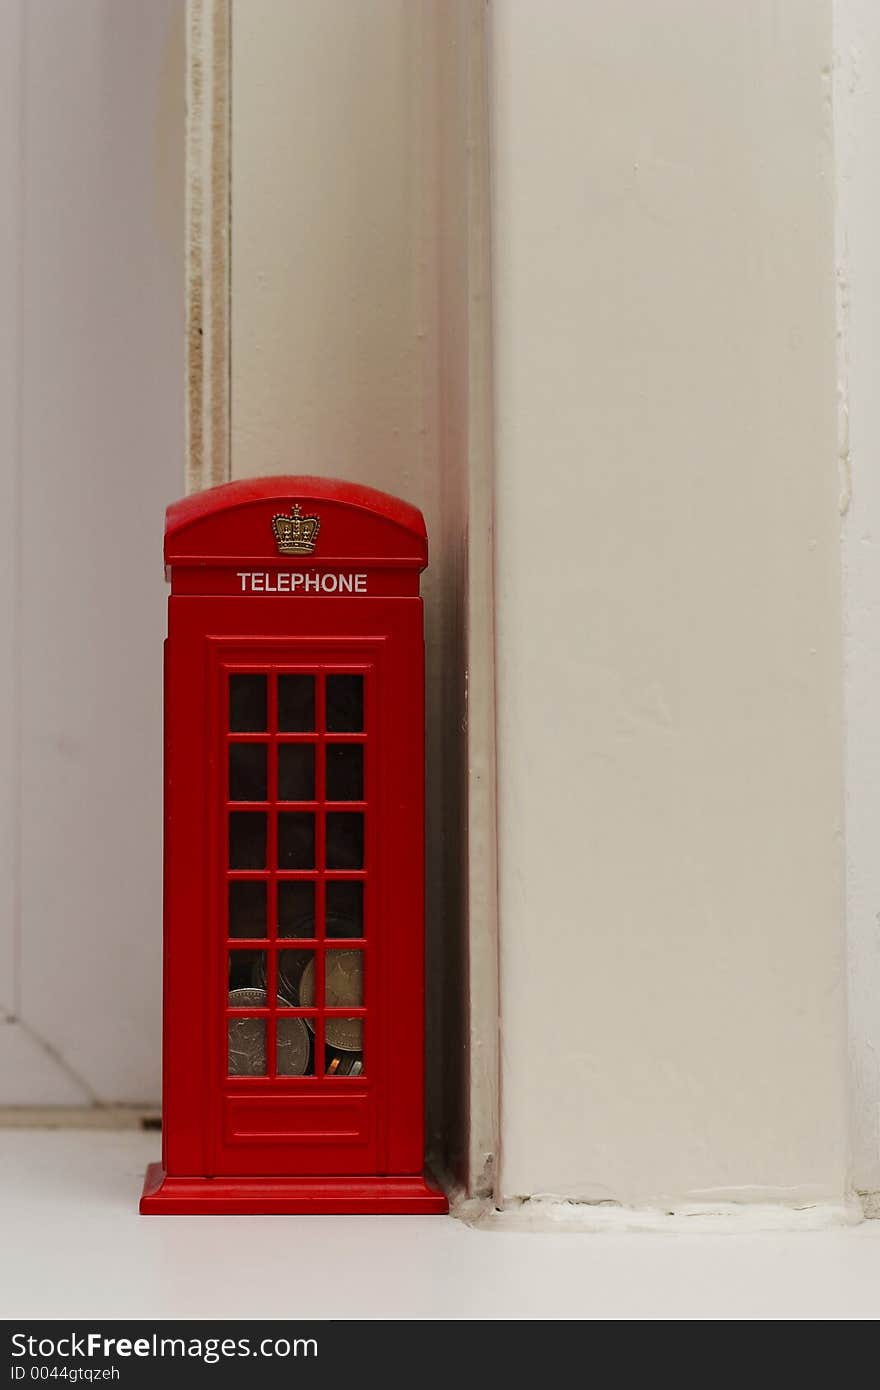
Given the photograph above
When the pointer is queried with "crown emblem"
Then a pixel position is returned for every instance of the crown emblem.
(296, 534)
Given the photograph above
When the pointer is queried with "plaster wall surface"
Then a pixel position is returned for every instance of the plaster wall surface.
(669, 637)
(857, 156)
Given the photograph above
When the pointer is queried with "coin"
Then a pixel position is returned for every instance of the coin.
(346, 1034)
(339, 925)
(247, 998)
(247, 1036)
(343, 988)
(291, 965)
(335, 924)
(343, 981)
(293, 1046)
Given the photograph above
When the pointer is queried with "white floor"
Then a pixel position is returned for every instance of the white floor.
(74, 1246)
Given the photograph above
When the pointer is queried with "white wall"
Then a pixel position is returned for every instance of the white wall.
(672, 963)
(91, 423)
(857, 150)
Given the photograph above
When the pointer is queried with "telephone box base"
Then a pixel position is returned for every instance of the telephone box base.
(402, 1196)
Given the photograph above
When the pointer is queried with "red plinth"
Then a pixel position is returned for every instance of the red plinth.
(401, 1196)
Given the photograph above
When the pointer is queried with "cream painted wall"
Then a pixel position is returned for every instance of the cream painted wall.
(670, 738)
(857, 151)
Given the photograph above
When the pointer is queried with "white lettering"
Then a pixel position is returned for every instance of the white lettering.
(289, 581)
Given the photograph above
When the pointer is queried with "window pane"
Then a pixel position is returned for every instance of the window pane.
(294, 1053)
(247, 772)
(246, 1046)
(296, 704)
(247, 909)
(345, 704)
(345, 908)
(344, 979)
(296, 908)
(247, 704)
(247, 839)
(247, 971)
(296, 840)
(345, 840)
(345, 772)
(296, 772)
(345, 1046)
(294, 967)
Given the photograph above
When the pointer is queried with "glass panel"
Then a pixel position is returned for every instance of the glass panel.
(247, 972)
(296, 908)
(296, 979)
(294, 1048)
(247, 704)
(296, 704)
(345, 909)
(344, 1038)
(246, 1046)
(247, 772)
(247, 909)
(296, 840)
(296, 772)
(345, 840)
(247, 839)
(343, 980)
(345, 772)
(345, 704)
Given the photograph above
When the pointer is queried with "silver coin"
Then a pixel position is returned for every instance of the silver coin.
(248, 997)
(291, 965)
(343, 988)
(345, 1034)
(246, 1036)
(293, 1047)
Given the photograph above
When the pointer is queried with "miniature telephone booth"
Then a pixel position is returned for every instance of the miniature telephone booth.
(294, 825)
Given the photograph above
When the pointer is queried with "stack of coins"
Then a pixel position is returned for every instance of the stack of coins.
(345, 1066)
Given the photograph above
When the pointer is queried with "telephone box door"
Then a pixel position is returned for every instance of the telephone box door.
(304, 983)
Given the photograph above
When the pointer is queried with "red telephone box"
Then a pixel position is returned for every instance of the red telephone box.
(294, 825)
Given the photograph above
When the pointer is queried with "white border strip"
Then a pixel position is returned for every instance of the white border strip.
(207, 242)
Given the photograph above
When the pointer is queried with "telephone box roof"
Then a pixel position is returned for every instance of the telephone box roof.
(228, 521)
